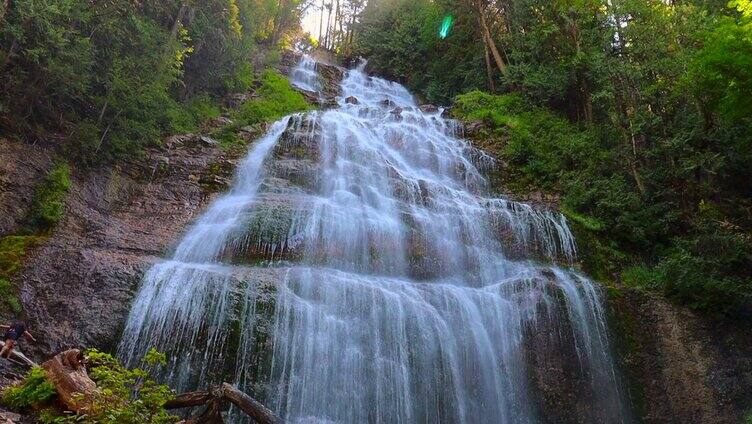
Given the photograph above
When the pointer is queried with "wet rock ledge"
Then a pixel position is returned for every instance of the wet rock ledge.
(331, 77)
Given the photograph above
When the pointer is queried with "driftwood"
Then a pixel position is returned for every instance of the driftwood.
(68, 374)
(216, 399)
(20, 357)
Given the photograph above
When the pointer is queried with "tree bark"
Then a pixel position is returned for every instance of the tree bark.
(215, 401)
(489, 69)
(250, 406)
(179, 20)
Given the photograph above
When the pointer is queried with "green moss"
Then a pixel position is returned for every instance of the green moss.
(274, 99)
(12, 251)
(49, 201)
(35, 390)
(228, 137)
(628, 342)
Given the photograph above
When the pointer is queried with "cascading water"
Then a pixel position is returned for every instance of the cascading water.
(357, 273)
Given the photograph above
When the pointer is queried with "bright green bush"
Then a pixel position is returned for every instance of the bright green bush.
(276, 98)
(36, 390)
(125, 396)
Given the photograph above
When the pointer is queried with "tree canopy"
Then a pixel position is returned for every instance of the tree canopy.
(637, 112)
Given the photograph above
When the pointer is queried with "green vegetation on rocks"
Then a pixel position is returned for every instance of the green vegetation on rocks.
(12, 251)
(36, 390)
(49, 202)
(273, 99)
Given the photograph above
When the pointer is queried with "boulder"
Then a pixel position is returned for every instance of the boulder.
(429, 109)
(474, 128)
(9, 418)
(352, 100)
(387, 103)
(220, 122)
(208, 141)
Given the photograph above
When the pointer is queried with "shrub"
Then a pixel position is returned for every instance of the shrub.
(276, 99)
(124, 396)
(35, 390)
(193, 115)
(49, 202)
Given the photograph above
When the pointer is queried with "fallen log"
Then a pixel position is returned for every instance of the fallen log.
(249, 405)
(20, 357)
(215, 401)
(68, 374)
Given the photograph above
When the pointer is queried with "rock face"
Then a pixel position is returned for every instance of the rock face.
(682, 367)
(330, 75)
(22, 168)
(76, 287)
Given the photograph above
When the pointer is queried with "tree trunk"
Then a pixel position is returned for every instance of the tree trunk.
(489, 69)
(250, 406)
(321, 23)
(68, 374)
(490, 42)
(179, 20)
(215, 401)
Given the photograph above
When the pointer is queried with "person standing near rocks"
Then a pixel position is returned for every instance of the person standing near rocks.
(13, 333)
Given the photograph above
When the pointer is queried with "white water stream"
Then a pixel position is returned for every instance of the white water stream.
(411, 296)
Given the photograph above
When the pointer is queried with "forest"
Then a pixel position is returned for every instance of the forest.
(105, 78)
(637, 113)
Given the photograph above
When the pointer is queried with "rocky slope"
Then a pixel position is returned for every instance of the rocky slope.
(682, 366)
(76, 285)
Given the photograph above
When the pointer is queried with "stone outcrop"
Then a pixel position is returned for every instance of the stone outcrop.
(22, 168)
(682, 366)
(76, 285)
(331, 76)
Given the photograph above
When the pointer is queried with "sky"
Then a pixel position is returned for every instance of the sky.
(311, 19)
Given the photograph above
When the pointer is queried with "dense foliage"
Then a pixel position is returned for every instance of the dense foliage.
(400, 40)
(108, 77)
(638, 112)
(274, 98)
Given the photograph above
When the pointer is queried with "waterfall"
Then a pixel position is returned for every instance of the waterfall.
(358, 272)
